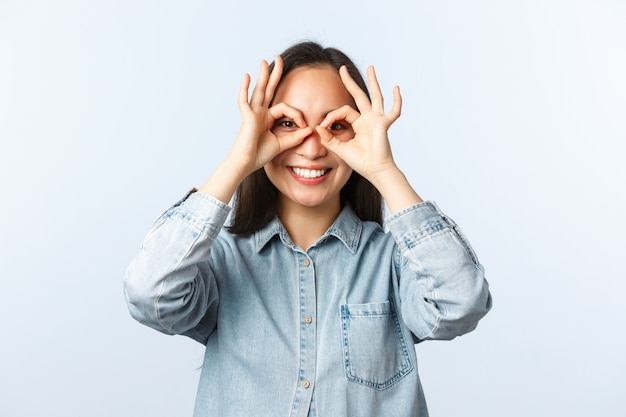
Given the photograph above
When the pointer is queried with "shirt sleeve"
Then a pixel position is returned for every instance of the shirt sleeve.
(442, 287)
(169, 285)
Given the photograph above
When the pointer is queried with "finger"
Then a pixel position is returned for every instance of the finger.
(324, 134)
(284, 110)
(329, 141)
(274, 79)
(294, 139)
(346, 113)
(258, 93)
(396, 109)
(375, 93)
(360, 98)
(242, 100)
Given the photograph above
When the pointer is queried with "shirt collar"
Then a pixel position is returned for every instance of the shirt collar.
(347, 228)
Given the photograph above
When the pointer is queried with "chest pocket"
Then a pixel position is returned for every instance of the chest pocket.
(374, 350)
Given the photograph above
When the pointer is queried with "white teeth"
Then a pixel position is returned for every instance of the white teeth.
(309, 173)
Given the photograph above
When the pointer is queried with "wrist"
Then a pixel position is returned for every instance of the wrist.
(237, 166)
(395, 189)
(385, 176)
(224, 181)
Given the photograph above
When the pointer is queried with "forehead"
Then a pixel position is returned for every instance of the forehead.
(313, 87)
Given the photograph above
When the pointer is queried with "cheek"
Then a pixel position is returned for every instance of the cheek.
(346, 172)
(270, 170)
(276, 171)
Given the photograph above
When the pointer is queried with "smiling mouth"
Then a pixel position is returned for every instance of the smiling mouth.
(309, 173)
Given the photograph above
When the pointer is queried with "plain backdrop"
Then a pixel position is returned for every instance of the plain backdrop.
(513, 122)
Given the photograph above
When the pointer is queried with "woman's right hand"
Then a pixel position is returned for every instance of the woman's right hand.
(256, 144)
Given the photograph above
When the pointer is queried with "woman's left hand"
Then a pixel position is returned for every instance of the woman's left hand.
(369, 152)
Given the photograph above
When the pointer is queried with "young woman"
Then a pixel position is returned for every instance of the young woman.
(307, 307)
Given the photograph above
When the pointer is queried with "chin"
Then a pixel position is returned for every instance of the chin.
(310, 203)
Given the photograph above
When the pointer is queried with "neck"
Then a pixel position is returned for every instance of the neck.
(306, 225)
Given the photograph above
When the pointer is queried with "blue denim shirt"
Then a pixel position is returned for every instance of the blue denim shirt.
(324, 332)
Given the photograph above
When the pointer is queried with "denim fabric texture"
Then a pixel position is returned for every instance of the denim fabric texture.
(327, 331)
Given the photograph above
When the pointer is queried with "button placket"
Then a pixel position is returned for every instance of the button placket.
(308, 343)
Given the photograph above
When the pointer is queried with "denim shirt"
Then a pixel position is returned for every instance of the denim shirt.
(327, 331)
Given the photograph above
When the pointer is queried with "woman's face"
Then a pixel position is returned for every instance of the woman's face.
(308, 175)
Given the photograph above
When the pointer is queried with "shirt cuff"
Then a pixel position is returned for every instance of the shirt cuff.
(414, 223)
(200, 211)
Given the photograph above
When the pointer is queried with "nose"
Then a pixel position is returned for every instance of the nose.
(311, 147)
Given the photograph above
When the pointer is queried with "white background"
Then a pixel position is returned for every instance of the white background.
(513, 122)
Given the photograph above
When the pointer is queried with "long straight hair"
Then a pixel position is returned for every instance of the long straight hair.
(256, 198)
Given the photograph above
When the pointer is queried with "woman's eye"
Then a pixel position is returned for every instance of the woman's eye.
(336, 126)
(288, 124)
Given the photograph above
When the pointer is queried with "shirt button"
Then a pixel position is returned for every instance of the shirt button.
(308, 319)
(305, 384)
(307, 262)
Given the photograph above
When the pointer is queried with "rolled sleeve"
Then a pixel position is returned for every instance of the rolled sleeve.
(443, 290)
(169, 285)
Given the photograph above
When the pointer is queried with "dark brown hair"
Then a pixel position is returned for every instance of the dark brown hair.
(256, 197)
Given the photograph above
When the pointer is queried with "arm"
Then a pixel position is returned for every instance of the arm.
(442, 288)
(170, 285)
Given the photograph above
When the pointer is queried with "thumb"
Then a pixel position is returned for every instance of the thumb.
(329, 141)
(295, 138)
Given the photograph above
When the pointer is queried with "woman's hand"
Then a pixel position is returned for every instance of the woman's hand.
(256, 145)
(369, 152)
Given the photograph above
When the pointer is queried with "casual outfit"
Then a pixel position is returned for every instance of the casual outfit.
(327, 331)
